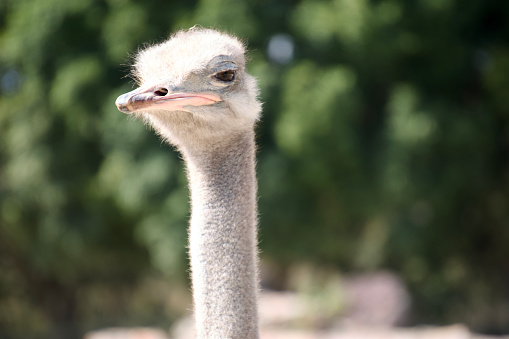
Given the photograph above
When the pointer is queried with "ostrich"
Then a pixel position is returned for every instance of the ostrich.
(195, 93)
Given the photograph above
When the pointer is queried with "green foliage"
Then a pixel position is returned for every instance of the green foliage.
(383, 144)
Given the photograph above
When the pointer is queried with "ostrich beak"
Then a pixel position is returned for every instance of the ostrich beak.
(158, 97)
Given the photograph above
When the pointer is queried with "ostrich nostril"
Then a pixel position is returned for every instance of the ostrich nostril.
(161, 92)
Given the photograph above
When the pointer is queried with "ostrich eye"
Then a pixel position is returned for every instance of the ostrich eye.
(226, 75)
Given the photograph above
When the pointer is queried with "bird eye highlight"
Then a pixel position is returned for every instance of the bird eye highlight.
(226, 76)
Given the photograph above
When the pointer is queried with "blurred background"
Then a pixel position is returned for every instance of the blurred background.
(384, 147)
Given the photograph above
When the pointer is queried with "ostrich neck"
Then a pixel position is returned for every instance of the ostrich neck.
(223, 240)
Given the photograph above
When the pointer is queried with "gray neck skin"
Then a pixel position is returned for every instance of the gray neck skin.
(222, 237)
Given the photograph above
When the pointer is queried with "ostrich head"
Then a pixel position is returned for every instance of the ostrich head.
(194, 89)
